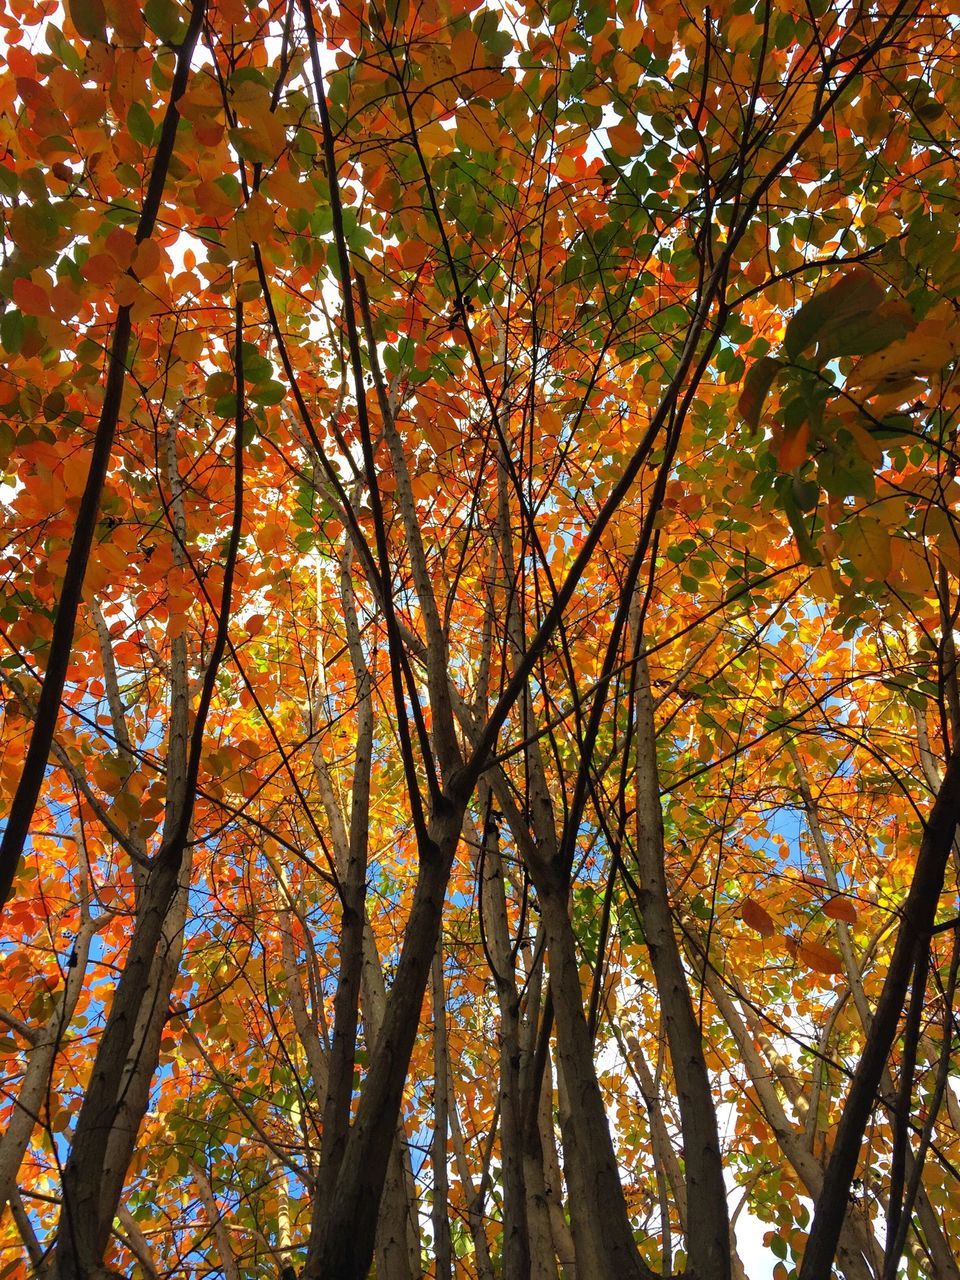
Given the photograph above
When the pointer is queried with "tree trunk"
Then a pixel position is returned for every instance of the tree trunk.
(708, 1238)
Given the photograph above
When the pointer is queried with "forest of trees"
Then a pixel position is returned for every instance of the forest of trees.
(479, 597)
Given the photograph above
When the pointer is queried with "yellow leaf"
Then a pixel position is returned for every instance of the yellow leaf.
(478, 127)
(920, 354)
(189, 345)
(258, 218)
(867, 544)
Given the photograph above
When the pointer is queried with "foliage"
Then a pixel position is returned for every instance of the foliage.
(480, 576)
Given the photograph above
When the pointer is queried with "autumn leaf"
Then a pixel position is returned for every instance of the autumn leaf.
(841, 909)
(757, 918)
(819, 958)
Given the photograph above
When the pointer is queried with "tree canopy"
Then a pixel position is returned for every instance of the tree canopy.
(479, 592)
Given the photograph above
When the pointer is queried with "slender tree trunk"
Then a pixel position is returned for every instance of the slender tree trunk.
(708, 1240)
(442, 1244)
(228, 1263)
(913, 935)
(25, 798)
(398, 1236)
(856, 1243)
(604, 1242)
(516, 1239)
(560, 1232)
(944, 1263)
(115, 1099)
(474, 1199)
(41, 1055)
(397, 1242)
(352, 873)
(341, 1243)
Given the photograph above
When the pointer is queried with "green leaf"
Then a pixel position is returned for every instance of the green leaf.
(11, 331)
(89, 17)
(269, 393)
(140, 124)
(594, 19)
(757, 383)
(7, 441)
(165, 18)
(808, 552)
(806, 493)
(868, 334)
(857, 294)
(226, 405)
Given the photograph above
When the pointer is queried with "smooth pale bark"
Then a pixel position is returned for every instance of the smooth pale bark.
(137, 1243)
(563, 1246)
(515, 1248)
(23, 1224)
(665, 1157)
(228, 1263)
(549, 1244)
(856, 1244)
(41, 1055)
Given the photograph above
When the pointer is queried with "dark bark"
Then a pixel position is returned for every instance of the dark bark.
(516, 1240)
(913, 937)
(341, 1243)
(90, 1199)
(605, 1247)
(27, 793)
(708, 1227)
(442, 1243)
(352, 887)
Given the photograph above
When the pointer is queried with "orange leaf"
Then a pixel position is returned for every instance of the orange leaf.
(819, 958)
(30, 298)
(100, 268)
(478, 127)
(120, 244)
(793, 450)
(818, 882)
(147, 258)
(841, 909)
(625, 138)
(757, 918)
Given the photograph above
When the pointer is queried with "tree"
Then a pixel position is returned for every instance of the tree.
(481, 574)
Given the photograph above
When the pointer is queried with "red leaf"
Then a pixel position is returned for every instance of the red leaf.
(30, 298)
